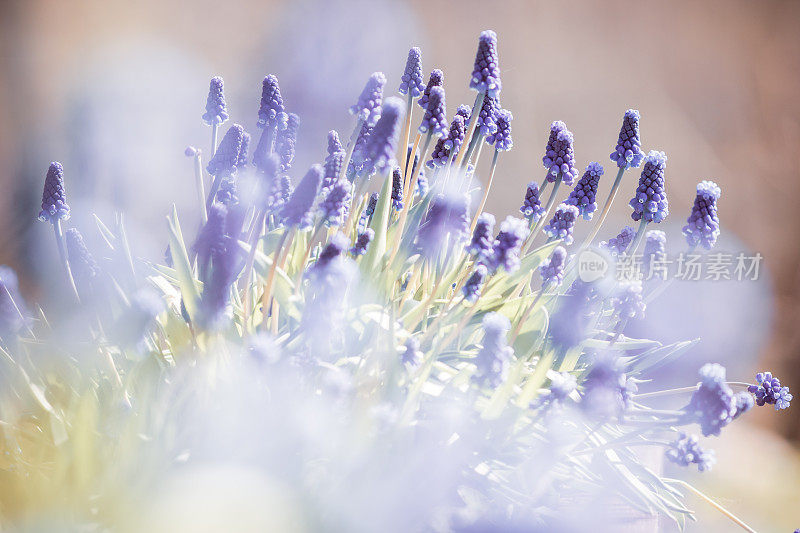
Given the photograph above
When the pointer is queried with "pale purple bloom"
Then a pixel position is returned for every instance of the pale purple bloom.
(507, 244)
(241, 160)
(380, 146)
(487, 118)
(474, 284)
(481, 244)
(495, 355)
(501, 138)
(435, 80)
(702, 226)
(297, 210)
(686, 450)
(54, 198)
(443, 218)
(216, 110)
(333, 168)
(486, 71)
(620, 243)
(334, 143)
(607, 391)
(362, 242)
(270, 110)
(562, 223)
(334, 206)
(655, 251)
(714, 405)
(411, 354)
(560, 157)
(412, 82)
(552, 269)
(450, 144)
(397, 190)
(650, 202)
(82, 265)
(225, 160)
(226, 263)
(532, 205)
(286, 141)
(368, 107)
(435, 119)
(627, 300)
(629, 145)
(769, 391)
(584, 195)
(359, 163)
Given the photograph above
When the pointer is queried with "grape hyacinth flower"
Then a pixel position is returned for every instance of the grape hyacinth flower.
(560, 157)
(397, 190)
(423, 186)
(487, 118)
(443, 218)
(216, 109)
(297, 209)
(464, 111)
(449, 145)
(411, 354)
(380, 145)
(435, 80)
(412, 83)
(507, 244)
(562, 223)
(607, 391)
(562, 384)
(532, 206)
(481, 244)
(768, 390)
(584, 195)
(628, 302)
(494, 356)
(270, 110)
(628, 152)
(552, 269)
(241, 161)
(227, 193)
(366, 215)
(334, 206)
(211, 236)
(486, 71)
(12, 308)
(501, 138)
(287, 138)
(225, 160)
(362, 242)
(359, 162)
(686, 450)
(714, 405)
(702, 226)
(285, 190)
(368, 107)
(435, 119)
(83, 266)
(655, 251)
(54, 199)
(650, 202)
(225, 267)
(333, 169)
(474, 284)
(334, 143)
(620, 243)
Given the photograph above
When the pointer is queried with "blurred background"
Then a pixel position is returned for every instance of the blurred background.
(115, 91)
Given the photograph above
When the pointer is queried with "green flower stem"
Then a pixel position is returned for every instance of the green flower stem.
(402, 149)
(637, 239)
(683, 390)
(214, 136)
(475, 163)
(351, 145)
(62, 252)
(248, 269)
(540, 224)
(515, 332)
(485, 191)
(201, 191)
(473, 121)
(711, 502)
(286, 239)
(606, 208)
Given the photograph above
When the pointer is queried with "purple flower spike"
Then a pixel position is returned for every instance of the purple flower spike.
(362, 242)
(532, 205)
(333, 168)
(411, 354)
(227, 155)
(486, 72)
(334, 144)
(702, 226)
(655, 251)
(769, 391)
(412, 82)
(620, 243)
(216, 110)
(285, 190)
(297, 210)
(380, 146)
(270, 109)
(494, 357)
(584, 195)
(487, 118)
(607, 391)
(562, 223)
(552, 269)
(226, 263)
(359, 163)
(82, 265)
(268, 193)
(228, 194)
(501, 139)
(474, 284)
(686, 450)
(211, 237)
(481, 244)
(368, 107)
(54, 199)
(465, 112)
(287, 138)
(449, 144)
(443, 218)
(435, 80)
(397, 190)
(628, 302)
(435, 118)
(334, 206)
(241, 161)
(507, 244)
(714, 405)
(629, 146)
(560, 157)
(650, 202)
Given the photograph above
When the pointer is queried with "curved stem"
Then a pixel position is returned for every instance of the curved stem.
(201, 191)
(638, 238)
(473, 121)
(402, 150)
(401, 223)
(351, 145)
(712, 503)
(214, 136)
(606, 208)
(62, 252)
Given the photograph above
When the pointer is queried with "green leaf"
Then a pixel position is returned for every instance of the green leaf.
(183, 269)
(379, 224)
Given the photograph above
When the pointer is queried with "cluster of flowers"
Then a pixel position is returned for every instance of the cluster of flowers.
(320, 272)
